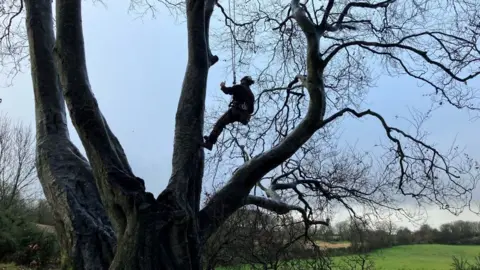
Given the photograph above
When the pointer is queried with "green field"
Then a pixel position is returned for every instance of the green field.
(419, 257)
(413, 257)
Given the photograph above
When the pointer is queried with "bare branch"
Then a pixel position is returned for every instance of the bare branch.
(282, 208)
(361, 5)
(13, 39)
(420, 53)
(324, 23)
(17, 162)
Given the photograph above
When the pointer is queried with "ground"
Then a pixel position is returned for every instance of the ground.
(10, 266)
(327, 245)
(412, 257)
(419, 257)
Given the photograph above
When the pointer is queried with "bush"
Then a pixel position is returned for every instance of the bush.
(23, 243)
(8, 244)
(463, 264)
(37, 248)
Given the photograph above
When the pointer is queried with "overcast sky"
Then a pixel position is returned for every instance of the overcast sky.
(136, 69)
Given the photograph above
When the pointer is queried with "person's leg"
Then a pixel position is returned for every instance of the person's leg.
(241, 116)
(244, 118)
(227, 118)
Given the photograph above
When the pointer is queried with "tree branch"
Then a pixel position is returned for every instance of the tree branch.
(324, 23)
(209, 6)
(185, 183)
(361, 5)
(299, 14)
(420, 53)
(246, 157)
(402, 156)
(282, 208)
(112, 172)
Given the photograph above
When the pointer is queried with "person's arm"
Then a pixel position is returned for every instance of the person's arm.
(228, 90)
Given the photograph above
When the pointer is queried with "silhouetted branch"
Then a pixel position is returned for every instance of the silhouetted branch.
(282, 208)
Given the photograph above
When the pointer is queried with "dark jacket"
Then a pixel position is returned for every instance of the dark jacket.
(241, 95)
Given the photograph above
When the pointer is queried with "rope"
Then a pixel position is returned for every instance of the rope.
(232, 42)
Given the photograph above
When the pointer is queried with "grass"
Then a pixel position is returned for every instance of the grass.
(9, 266)
(420, 257)
(411, 257)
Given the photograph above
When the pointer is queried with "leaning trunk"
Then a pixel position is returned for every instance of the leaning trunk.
(85, 233)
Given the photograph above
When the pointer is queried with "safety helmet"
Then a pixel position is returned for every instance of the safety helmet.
(247, 80)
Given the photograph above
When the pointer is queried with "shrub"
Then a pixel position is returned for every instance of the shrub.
(463, 264)
(23, 243)
(38, 248)
(8, 244)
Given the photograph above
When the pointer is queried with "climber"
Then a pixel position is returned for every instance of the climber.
(240, 109)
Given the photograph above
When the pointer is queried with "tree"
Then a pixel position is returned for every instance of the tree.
(404, 236)
(17, 164)
(425, 234)
(43, 213)
(327, 43)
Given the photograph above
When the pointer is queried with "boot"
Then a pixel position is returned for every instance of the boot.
(207, 143)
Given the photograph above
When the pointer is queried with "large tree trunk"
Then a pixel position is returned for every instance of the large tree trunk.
(84, 230)
(154, 244)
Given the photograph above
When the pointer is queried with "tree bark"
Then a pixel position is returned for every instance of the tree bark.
(84, 229)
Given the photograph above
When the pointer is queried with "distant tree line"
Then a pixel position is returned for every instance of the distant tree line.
(453, 233)
(387, 234)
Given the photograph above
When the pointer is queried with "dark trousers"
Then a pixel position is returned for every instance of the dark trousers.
(231, 116)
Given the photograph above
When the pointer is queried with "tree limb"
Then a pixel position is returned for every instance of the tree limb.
(65, 175)
(361, 5)
(185, 183)
(111, 169)
(324, 23)
(268, 191)
(282, 208)
(420, 53)
(402, 156)
(299, 14)
(209, 5)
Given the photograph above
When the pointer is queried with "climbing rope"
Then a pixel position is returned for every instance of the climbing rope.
(232, 41)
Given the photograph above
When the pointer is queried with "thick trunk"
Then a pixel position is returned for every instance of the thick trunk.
(85, 233)
(84, 230)
(152, 243)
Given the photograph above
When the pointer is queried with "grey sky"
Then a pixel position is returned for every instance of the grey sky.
(136, 69)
